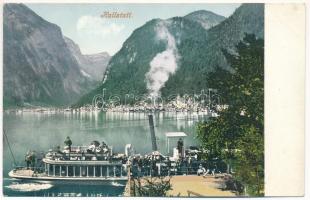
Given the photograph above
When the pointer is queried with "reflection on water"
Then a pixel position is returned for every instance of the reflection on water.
(42, 131)
(13, 187)
(28, 187)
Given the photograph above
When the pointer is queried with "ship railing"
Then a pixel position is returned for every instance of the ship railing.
(35, 169)
(84, 148)
(81, 151)
(23, 167)
(147, 170)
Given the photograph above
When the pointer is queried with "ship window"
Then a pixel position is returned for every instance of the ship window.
(50, 169)
(91, 171)
(111, 171)
(57, 170)
(63, 170)
(97, 170)
(117, 170)
(70, 170)
(83, 168)
(104, 171)
(123, 171)
(77, 170)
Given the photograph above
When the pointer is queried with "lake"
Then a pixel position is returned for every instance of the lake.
(43, 131)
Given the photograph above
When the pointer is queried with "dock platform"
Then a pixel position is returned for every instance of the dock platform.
(193, 186)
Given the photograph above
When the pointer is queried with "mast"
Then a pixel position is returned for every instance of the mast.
(153, 138)
(7, 140)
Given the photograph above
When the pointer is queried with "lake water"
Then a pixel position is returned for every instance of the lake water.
(43, 131)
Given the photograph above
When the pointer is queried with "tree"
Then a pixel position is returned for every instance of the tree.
(153, 186)
(238, 133)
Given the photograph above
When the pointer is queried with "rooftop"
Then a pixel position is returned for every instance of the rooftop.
(176, 134)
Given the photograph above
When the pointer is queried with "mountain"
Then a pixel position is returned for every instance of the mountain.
(127, 69)
(38, 67)
(201, 57)
(92, 65)
(173, 56)
(205, 18)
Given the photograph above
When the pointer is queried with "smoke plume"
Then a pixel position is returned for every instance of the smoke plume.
(164, 63)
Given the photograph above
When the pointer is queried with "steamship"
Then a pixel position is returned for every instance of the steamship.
(77, 165)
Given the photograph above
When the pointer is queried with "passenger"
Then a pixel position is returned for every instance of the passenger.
(103, 144)
(91, 148)
(33, 159)
(213, 172)
(189, 160)
(68, 143)
(98, 150)
(180, 147)
(28, 159)
(206, 173)
(58, 149)
(96, 143)
(214, 169)
(140, 164)
(201, 170)
(104, 147)
(40, 157)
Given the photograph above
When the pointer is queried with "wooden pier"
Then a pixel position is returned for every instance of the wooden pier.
(190, 186)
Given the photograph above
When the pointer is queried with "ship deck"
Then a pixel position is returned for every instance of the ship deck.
(81, 162)
(29, 175)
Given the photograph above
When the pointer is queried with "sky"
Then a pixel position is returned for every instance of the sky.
(82, 22)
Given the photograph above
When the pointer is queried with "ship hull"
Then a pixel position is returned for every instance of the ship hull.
(118, 181)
